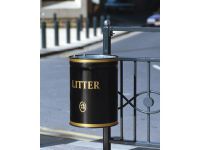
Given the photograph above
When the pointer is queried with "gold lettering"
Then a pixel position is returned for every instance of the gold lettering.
(82, 84)
(85, 84)
(79, 84)
(90, 85)
(96, 85)
(73, 84)
(76, 84)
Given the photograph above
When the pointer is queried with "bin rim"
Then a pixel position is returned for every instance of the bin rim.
(93, 58)
(85, 125)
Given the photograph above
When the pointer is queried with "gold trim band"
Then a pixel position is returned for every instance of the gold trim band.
(92, 60)
(93, 125)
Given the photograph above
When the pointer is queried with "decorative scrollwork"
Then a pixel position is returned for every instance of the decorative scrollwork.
(147, 102)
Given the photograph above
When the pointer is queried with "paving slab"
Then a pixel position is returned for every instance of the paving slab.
(59, 143)
(56, 143)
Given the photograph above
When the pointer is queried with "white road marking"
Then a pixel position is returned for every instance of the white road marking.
(68, 134)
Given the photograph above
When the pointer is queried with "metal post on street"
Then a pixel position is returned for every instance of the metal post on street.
(54, 17)
(121, 101)
(78, 29)
(56, 33)
(67, 25)
(87, 27)
(106, 138)
(95, 25)
(135, 101)
(107, 33)
(150, 101)
(43, 32)
(81, 22)
(106, 50)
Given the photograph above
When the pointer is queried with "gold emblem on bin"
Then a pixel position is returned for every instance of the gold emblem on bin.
(82, 106)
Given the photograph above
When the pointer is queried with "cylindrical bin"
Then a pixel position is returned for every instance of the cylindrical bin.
(93, 90)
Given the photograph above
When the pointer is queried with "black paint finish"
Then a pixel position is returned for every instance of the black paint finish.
(101, 104)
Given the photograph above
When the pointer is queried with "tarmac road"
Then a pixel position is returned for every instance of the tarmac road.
(54, 88)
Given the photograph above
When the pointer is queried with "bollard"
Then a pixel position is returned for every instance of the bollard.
(78, 29)
(56, 33)
(67, 25)
(87, 27)
(95, 25)
(102, 18)
(107, 33)
(43, 32)
(54, 17)
(81, 22)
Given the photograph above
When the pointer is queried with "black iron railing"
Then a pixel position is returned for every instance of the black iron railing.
(124, 101)
(148, 101)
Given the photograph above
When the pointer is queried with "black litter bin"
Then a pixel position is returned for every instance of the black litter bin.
(93, 90)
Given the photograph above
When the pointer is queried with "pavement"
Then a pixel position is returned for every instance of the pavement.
(64, 140)
(74, 44)
(57, 143)
(55, 101)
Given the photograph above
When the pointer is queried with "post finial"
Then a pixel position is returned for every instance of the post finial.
(107, 23)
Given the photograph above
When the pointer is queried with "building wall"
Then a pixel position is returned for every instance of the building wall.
(47, 12)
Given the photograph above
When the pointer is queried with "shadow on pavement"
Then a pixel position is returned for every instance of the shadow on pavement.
(46, 141)
(51, 140)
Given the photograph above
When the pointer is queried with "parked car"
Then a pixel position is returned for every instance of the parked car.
(154, 20)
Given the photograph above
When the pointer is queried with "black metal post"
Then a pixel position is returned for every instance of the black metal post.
(106, 50)
(43, 32)
(78, 29)
(67, 25)
(106, 139)
(135, 101)
(149, 95)
(121, 102)
(95, 25)
(54, 17)
(107, 33)
(87, 27)
(56, 33)
(81, 22)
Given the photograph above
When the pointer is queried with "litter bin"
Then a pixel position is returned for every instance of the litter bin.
(93, 90)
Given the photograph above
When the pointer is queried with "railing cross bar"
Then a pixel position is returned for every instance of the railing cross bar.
(135, 28)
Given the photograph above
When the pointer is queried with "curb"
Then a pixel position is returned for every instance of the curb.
(50, 52)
